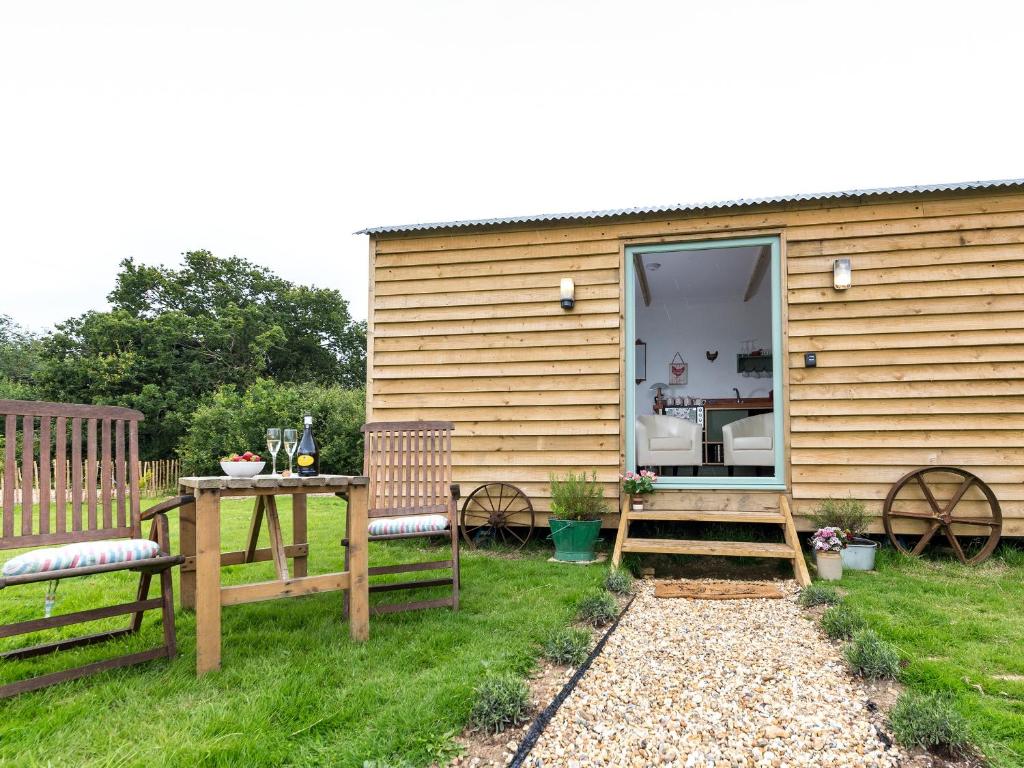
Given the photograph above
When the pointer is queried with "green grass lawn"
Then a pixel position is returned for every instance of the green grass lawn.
(962, 630)
(294, 689)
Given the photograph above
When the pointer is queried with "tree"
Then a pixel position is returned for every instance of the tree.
(20, 360)
(174, 336)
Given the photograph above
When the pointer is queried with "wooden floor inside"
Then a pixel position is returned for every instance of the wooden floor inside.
(753, 509)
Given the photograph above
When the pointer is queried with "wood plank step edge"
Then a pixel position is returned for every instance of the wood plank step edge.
(708, 516)
(704, 547)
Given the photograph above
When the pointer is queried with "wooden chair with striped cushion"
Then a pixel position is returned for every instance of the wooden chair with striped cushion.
(411, 495)
(99, 532)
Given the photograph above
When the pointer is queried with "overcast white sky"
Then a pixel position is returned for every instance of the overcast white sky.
(272, 131)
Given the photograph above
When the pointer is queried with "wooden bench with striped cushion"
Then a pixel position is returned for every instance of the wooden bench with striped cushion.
(99, 531)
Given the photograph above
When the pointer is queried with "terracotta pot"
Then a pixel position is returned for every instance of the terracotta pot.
(830, 565)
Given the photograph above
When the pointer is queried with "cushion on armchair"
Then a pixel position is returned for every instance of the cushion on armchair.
(670, 443)
(81, 555)
(762, 443)
(389, 526)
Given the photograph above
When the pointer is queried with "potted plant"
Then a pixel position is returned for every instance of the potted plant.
(852, 518)
(577, 503)
(637, 485)
(827, 544)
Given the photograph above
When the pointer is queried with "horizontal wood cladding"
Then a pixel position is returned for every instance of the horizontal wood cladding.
(495, 324)
(518, 369)
(452, 274)
(924, 371)
(912, 364)
(558, 382)
(969, 339)
(559, 338)
(903, 422)
(920, 362)
(413, 288)
(506, 354)
(501, 399)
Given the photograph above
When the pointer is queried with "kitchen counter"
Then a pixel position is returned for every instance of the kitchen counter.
(744, 403)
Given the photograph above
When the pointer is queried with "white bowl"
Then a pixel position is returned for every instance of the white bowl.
(242, 468)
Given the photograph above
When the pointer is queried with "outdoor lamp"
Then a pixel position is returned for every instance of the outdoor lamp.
(842, 274)
(568, 290)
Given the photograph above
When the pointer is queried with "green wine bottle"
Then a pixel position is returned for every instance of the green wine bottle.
(307, 455)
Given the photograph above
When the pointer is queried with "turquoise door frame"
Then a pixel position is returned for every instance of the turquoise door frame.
(777, 481)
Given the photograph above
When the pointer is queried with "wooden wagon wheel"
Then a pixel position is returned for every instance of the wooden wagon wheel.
(488, 513)
(979, 530)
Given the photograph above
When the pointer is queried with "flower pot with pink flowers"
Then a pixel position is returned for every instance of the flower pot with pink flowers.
(637, 486)
(828, 544)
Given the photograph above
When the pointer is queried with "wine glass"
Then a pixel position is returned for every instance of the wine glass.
(274, 445)
(291, 442)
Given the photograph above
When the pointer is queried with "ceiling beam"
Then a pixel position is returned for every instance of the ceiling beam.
(757, 276)
(641, 278)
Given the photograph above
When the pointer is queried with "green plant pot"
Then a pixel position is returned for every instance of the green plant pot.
(575, 540)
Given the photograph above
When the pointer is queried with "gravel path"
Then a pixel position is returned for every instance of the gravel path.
(714, 683)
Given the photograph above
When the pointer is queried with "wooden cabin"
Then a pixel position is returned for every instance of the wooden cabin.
(919, 362)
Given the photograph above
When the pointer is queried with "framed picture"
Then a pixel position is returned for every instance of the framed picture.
(641, 362)
(677, 370)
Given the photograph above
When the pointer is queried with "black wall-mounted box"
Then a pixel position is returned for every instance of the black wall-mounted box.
(810, 360)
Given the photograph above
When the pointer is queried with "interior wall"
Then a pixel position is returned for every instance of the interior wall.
(676, 324)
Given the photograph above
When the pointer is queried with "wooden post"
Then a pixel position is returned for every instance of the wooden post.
(207, 579)
(623, 531)
(299, 533)
(187, 534)
(359, 583)
(803, 578)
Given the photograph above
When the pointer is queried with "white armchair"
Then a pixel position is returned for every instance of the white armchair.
(665, 441)
(750, 442)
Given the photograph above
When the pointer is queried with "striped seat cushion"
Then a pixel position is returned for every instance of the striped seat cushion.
(80, 555)
(383, 526)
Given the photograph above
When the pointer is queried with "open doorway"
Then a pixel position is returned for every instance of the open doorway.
(703, 324)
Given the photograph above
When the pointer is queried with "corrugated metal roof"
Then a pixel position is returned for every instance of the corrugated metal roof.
(682, 207)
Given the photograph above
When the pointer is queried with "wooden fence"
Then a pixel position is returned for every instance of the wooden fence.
(157, 478)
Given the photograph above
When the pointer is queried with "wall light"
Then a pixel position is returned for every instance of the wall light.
(842, 274)
(568, 289)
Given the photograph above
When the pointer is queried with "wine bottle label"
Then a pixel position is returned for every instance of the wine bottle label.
(304, 461)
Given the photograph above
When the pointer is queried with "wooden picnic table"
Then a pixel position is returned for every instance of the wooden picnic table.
(201, 589)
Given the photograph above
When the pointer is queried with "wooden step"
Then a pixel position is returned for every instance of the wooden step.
(716, 548)
(708, 516)
(707, 508)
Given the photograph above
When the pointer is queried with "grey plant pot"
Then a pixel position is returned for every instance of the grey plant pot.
(859, 555)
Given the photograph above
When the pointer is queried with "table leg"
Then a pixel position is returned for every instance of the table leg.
(359, 582)
(187, 536)
(207, 581)
(276, 540)
(254, 530)
(299, 533)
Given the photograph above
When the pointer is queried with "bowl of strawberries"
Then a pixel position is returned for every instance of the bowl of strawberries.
(246, 464)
